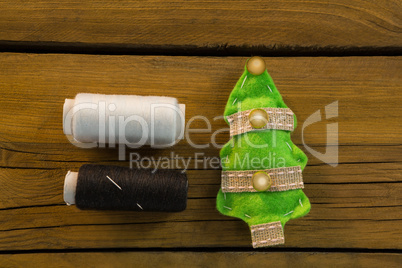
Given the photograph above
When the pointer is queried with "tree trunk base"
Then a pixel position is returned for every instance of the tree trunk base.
(267, 234)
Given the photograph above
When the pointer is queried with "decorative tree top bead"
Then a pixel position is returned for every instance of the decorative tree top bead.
(256, 65)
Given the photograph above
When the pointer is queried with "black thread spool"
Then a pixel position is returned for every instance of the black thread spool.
(120, 188)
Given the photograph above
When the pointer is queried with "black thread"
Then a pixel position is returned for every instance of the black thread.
(141, 189)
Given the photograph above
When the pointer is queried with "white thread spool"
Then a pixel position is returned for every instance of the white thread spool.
(128, 119)
(70, 185)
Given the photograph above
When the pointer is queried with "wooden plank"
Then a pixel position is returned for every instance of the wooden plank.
(204, 259)
(367, 89)
(344, 215)
(203, 209)
(217, 234)
(66, 156)
(194, 24)
(41, 187)
(349, 202)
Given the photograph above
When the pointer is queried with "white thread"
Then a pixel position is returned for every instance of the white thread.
(290, 212)
(234, 101)
(269, 88)
(114, 182)
(243, 81)
(140, 206)
(224, 196)
(239, 105)
(70, 185)
(289, 146)
(123, 119)
(300, 202)
(266, 241)
(248, 216)
(227, 207)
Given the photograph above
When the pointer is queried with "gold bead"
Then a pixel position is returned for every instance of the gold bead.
(256, 65)
(261, 181)
(258, 118)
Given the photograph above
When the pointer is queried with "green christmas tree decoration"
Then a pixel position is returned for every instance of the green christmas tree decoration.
(261, 167)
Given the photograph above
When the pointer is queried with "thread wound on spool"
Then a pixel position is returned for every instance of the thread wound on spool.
(124, 119)
(120, 188)
(70, 185)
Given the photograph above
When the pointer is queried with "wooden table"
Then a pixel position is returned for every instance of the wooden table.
(317, 53)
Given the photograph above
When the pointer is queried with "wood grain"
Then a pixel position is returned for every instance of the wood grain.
(43, 187)
(205, 259)
(194, 24)
(355, 219)
(367, 90)
(33, 216)
(66, 156)
(203, 234)
(355, 205)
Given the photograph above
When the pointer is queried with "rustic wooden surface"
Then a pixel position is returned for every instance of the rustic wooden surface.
(203, 24)
(355, 205)
(203, 259)
(355, 219)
